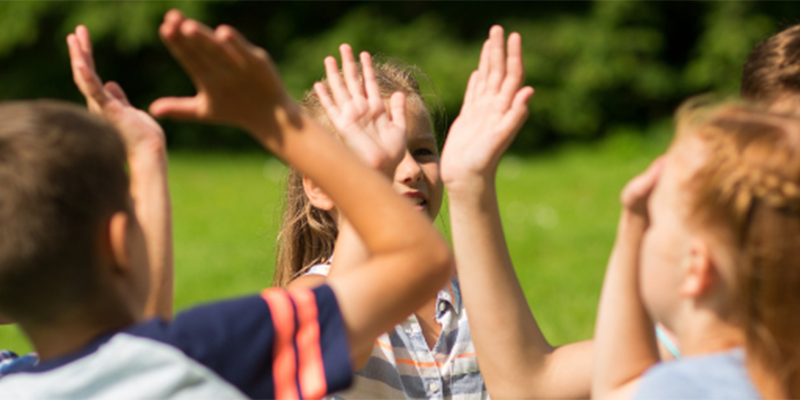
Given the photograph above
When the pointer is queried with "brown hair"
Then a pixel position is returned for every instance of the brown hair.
(773, 67)
(308, 234)
(748, 189)
(62, 176)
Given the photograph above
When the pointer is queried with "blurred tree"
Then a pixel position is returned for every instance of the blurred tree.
(596, 66)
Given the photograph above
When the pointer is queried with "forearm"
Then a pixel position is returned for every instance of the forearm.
(150, 191)
(624, 335)
(514, 360)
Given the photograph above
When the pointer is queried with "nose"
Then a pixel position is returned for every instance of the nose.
(408, 170)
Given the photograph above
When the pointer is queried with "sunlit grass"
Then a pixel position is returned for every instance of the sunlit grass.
(559, 212)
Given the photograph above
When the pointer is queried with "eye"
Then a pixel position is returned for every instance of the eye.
(423, 152)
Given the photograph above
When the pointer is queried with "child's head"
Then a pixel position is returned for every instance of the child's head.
(725, 232)
(771, 73)
(65, 215)
(309, 226)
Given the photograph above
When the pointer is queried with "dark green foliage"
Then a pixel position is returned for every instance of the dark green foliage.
(596, 66)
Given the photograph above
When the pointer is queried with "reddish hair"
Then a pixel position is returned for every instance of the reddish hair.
(749, 191)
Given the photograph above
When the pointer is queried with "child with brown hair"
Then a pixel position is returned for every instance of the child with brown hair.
(771, 74)
(709, 244)
(145, 151)
(74, 267)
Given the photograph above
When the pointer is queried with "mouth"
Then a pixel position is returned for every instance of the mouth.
(418, 199)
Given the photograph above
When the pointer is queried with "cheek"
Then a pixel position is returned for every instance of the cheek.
(431, 171)
(657, 276)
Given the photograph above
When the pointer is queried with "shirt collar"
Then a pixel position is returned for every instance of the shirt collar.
(451, 294)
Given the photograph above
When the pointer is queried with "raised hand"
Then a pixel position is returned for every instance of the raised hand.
(494, 109)
(637, 191)
(236, 82)
(358, 112)
(138, 129)
(147, 161)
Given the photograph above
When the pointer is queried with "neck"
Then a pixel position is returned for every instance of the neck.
(426, 316)
(73, 333)
(704, 332)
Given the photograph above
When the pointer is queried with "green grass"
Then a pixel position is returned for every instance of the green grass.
(559, 212)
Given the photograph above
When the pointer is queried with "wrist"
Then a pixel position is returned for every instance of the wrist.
(145, 159)
(470, 185)
(268, 127)
(632, 224)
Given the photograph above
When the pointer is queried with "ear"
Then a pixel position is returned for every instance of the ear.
(118, 240)
(316, 196)
(700, 272)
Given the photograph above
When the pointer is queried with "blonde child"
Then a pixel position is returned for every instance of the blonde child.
(279, 344)
(430, 354)
(708, 243)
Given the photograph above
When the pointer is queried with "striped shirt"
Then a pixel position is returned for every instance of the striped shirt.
(403, 366)
(281, 344)
(10, 362)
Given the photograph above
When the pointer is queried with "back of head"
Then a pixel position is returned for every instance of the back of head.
(772, 70)
(747, 194)
(61, 177)
(308, 234)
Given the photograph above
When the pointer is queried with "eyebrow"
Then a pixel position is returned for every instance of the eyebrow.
(423, 138)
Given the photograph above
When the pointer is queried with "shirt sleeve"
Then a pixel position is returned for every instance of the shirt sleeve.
(279, 344)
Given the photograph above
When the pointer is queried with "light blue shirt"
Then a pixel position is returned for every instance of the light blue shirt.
(711, 376)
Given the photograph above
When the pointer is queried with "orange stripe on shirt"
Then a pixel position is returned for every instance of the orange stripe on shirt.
(284, 365)
(429, 364)
(384, 345)
(312, 373)
(419, 364)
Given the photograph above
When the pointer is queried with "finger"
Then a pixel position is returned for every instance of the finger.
(642, 185)
(326, 101)
(483, 68)
(373, 90)
(115, 90)
(180, 47)
(185, 108)
(240, 46)
(515, 71)
(201, 41)
(350, 72)
(396, 138)
(518, 112)
(497, 59)
(86, 44)
(335, 82)
(85, 78)
(469, 94)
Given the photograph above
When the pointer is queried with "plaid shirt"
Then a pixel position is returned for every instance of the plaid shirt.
(10, 362)
(403, 366)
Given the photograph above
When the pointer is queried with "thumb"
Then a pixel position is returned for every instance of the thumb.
(186, 108)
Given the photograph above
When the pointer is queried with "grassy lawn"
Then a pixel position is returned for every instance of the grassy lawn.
(559, 212)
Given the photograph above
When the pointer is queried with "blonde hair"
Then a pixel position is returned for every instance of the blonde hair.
(307, 234)
(748, 189)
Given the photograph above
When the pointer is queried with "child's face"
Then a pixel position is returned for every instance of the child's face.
(417, 175)
(665, 247)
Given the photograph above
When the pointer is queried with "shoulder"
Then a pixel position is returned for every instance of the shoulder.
(713, 376)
